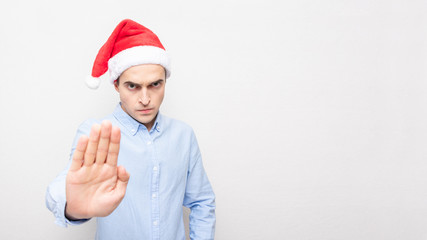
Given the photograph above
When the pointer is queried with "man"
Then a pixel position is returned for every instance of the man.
(160, 163)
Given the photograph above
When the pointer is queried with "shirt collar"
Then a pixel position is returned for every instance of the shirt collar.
(131, 124)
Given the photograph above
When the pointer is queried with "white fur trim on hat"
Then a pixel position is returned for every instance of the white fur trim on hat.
(136, 56)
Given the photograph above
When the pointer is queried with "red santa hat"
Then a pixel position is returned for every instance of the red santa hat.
(129, 45)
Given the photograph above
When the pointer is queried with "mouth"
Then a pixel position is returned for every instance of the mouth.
(145, 111)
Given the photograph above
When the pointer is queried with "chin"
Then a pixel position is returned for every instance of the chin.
(145, 120)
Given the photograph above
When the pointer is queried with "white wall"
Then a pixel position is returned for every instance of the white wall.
(311, 115)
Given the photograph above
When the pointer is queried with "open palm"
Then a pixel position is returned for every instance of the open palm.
(95, 185)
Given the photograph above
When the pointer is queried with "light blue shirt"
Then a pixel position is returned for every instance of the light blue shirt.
(166, 173)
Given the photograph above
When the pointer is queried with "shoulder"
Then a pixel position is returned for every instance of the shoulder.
(90, 122)
(177, 129)
(83, 129)
(172, 124)
(87, 124)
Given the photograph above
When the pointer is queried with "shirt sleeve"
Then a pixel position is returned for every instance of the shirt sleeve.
(55, 194)
(199, 197)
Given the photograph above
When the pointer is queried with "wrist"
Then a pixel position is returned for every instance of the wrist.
(70, 216)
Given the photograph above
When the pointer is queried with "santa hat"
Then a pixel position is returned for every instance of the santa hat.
(129, 45)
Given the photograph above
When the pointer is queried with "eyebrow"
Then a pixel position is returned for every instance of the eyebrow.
(130, 82)
(138, 85)
(158, 81)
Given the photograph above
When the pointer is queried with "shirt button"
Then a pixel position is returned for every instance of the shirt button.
(155, 168)
(149, 142)
(154, 195)
(155, 223)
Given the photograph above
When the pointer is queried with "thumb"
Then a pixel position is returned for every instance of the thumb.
(122, 174)
(122, 181)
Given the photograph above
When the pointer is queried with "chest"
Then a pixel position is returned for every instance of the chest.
(140, 154)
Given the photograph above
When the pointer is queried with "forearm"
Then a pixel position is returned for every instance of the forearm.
(55, 199)
(56, 194)
(202, 217)
(200, 198)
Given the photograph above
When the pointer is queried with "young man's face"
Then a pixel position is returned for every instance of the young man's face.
(141, 90)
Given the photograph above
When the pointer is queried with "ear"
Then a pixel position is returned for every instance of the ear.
(116, 85)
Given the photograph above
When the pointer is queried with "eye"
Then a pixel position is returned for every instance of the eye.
(131, 86)
(156, 84)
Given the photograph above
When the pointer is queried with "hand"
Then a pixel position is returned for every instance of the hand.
(95, 186)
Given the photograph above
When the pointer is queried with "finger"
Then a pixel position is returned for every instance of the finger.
(122, 181)
(104, 140)
(79, 152)
(90, 153)
(113, 150)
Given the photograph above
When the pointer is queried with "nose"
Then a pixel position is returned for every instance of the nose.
(144, 98)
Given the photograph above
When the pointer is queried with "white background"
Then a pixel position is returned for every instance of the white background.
(311, 115)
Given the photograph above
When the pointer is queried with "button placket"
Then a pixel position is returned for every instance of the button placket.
(155, 206)
(148, 139)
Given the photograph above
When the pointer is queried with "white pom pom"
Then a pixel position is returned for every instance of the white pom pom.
(92, 82)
